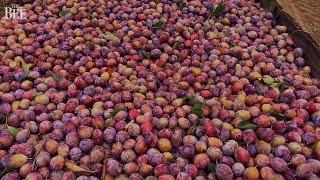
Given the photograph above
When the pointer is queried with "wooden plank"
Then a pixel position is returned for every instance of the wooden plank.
(306, 13)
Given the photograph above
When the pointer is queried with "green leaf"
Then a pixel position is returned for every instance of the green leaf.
(218, 10)
(176, 155)
(115, 111)
(6, 171)
(4, 117)
(28, 78)
(273, 85)
(193, 23)
(158, 25)
(215, 30)
(12, 131)
(192, 129)
(176, 44)
(246, 125)
(206, 22)
(268, 81)
(145, 54)
(189, 99)
(259, 79)
(89, 16)
(43, 3)
(62, 13)
(2, 120)
(1, 54)
(208, 85)
(77, 169)
(25, 67)
(241, 143)
(55, 77)
(197, 108)
(110, 37)
(197, 105)
(314, 146)
(278, 116)
(272, 7)
(182, 5)
(280, 81)
(283, 87)
(212, 167)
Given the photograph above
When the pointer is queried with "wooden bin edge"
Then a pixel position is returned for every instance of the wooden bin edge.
(302, 38)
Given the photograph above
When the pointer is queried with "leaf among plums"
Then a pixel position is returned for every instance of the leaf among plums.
(110, 37)
(145, 54)
(189, 99)
(215, 30)
(212, 167)
(193, 97)
(197, 108)
(246, 125)
(12, 131)
(28, 78)
(40, 146)
(209, 85)
(272, 7)
(38, 149)
(193, 23)
(270, 82)
(176, 44)
(218, 10)
(241, 143)
(62, 13)
(55, 77)
(192, 129)
(26, 67)
(195, 103)
(2, 120)
(43, 3)
(176, 155)
(278, 116)
(4, 117)
(104, 169)
(283, 87)
(115, 111)
(6, 171)
(182, 5)
(158, 25)
(206, 22)
(77, 169)
(89, 16)
(274, 85)
(127, 126)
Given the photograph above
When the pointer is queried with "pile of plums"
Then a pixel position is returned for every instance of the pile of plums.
(163, 89)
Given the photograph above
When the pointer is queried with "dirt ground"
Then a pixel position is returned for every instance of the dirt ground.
(306, 13)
